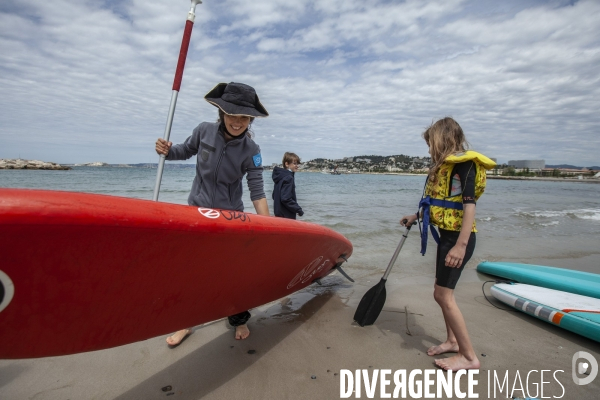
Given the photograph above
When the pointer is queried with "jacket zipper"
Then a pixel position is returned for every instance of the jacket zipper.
(212, 201)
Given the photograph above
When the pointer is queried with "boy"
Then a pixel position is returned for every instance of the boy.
(284, 191)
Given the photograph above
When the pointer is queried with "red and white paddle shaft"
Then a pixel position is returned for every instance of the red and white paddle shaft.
(185, 42)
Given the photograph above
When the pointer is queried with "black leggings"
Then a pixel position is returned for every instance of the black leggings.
(239, 319)
(448, 276)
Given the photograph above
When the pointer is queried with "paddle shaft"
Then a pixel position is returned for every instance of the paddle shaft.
(395, 256)
(372, 302)
(185, 43)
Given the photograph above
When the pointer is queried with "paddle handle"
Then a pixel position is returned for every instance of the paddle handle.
(395, 256)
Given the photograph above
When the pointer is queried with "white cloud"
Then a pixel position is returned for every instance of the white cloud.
(83, 81)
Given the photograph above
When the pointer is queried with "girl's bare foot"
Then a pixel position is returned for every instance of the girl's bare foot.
(176, 338)
(446, 347)
(457, 363)
(242, 332)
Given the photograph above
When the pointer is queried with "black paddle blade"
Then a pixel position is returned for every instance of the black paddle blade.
(371, 305)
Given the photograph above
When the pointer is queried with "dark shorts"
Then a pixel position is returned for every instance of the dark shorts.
(448, 276)
(239, 319)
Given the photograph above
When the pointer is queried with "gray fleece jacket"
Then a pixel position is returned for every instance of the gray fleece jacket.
(220, 166)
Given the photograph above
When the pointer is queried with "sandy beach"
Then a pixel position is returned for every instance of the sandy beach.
(299, 345)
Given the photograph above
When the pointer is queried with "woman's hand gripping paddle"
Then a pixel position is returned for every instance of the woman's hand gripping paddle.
(372, 302)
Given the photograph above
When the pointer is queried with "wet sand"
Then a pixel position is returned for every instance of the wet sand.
(299, 344)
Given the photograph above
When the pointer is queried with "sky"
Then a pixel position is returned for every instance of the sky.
(91, 80)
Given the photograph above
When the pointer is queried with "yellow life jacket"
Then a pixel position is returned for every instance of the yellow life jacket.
(448, 213)
(439, 207)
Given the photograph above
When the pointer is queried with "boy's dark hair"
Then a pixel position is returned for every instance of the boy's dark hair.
(290, 158)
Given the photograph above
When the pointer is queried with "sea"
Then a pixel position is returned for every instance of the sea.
(553, 223)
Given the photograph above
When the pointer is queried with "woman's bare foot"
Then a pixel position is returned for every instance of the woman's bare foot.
(176, 338)
(446, 347)
(242, 332)
(457, 363)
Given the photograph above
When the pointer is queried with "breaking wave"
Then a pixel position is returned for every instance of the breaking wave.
(584, 213)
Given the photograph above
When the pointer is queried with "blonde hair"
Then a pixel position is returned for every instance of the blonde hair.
(290, 158)
(444, 137)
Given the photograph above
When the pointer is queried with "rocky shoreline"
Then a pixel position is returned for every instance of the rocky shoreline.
(30, 164)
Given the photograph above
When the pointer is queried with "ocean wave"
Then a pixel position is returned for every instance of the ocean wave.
(583, 213)
(551, 223)
(489, 219)
(373, 234)
(594, 216)
(340, 226)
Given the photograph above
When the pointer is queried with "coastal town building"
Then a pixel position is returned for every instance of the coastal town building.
(565, 171)
(532, 165)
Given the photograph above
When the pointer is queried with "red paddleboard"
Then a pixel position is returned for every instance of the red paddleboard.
(82, 272)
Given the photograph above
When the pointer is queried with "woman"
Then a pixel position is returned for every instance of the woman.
(225, 152)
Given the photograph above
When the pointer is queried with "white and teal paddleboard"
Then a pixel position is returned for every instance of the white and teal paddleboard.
(573, 312)
(566, 280)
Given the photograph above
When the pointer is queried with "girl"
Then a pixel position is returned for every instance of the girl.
(455, 182)
(224, 153)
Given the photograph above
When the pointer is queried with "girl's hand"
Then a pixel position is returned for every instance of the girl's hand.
(163, 147)
(455, 256)
(408, 220)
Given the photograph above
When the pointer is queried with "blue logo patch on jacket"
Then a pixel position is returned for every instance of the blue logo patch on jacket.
(257, 160)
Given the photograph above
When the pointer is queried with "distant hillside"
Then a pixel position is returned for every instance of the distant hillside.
(374, 159)
(168, 165)
(568, 166)
(377, 159)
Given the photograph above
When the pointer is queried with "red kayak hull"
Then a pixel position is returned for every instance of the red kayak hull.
(90, 272)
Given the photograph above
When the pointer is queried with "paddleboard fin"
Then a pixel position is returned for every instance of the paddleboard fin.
(341, 271)
(339, 268)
